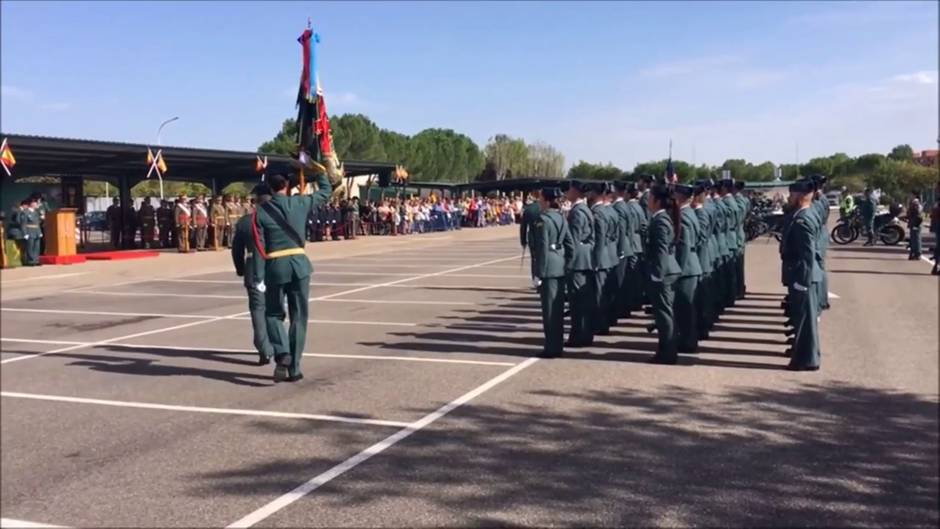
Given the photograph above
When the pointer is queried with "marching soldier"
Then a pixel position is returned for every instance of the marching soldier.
(663, 271)
(244, 256)
(625, 249)
(801, 273)
(732, 219)
(552, 247)
(201, 222)
(219, 220)
(604, 258)
(277, 226)
(637, 238)
(115, 219)
(183, 216)
(580, 267)
(687, 331)
(233, 213)
(744, 207)
(531, 214)
(706, 250)
(146, 219)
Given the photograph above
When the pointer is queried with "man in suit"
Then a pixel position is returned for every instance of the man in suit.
(580, 266)
(244, 257)
(278, 225)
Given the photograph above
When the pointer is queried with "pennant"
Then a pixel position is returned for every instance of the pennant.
(7, 160)
(156, 163)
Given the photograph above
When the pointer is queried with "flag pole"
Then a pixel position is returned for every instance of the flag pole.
(302, 184)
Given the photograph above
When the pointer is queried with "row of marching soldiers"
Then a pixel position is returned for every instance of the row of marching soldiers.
(624, 245)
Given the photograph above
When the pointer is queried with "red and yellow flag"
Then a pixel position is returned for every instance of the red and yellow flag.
(6, 157)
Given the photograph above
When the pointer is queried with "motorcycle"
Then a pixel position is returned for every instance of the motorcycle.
(888, 228)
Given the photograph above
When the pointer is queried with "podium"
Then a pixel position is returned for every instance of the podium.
(60, 233)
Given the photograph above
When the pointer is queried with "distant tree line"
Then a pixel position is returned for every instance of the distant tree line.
(432, 155)
(895, 173)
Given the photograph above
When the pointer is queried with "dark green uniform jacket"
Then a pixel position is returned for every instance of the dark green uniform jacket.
(245, 266)
(705, 245)
(732, 216)
(801, 268)
(625, 229)
(604, 253)
(662, 251)
(530, 215)
(270, 237)
(551, 242)
(687, 247)
(581, 225)
(638, 225)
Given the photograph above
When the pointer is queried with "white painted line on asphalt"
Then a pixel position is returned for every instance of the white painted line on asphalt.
(514, 276)
(121, 338)
(413, 278)
(11, 523)
(201, 409)
(390, 301)
(160, 294)
(254, 352)
(833, 295)
(105, 313)
(37, 278)
(927, 260)
(347, 465)
(331, 284)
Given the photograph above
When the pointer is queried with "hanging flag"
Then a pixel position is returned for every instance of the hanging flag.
(156, 163)
(261, 164)
(7, 160)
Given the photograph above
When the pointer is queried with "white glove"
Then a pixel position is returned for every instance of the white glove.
(26, 237)
(799, 287)
(536, 282)
(261, 288)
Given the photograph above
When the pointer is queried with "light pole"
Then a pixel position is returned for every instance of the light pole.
(160, 143)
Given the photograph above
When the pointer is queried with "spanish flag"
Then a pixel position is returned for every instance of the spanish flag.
(6, 157)
(161, 165)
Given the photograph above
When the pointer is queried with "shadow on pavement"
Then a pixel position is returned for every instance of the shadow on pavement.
(815, 455)
(878, 272)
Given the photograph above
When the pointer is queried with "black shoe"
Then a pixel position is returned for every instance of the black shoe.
(790, 340)
(788, 352)
(793, 367)
(935, 271)
(662, 361)
(647, 310)
(280, 370)
(295, 378)
(572, 343)
(650, 328)
(546, 354)
(264, 360)
(602, 332)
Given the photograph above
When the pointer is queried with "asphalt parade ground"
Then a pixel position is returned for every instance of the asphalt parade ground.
(130, 397)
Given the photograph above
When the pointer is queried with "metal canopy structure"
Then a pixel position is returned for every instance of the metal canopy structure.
(126, 162)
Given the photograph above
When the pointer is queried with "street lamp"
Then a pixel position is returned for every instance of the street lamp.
(159, 143)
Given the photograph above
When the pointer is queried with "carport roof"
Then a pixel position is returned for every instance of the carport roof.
(48, 156)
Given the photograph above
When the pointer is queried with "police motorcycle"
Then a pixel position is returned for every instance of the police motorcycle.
(763, 219)
(888, 227)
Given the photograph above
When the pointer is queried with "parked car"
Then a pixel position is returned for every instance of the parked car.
(95, 221)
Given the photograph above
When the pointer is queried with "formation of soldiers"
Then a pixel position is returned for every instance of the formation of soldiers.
(675, 251)
(186, 224)
(24, 228)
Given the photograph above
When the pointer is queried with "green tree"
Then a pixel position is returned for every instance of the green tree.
(763, 172)
(284, 142)
(395, 146)
(902, 153)
(867, 163)
(356, 137)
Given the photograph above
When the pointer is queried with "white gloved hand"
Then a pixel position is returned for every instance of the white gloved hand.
(536, 282)
(260, 286)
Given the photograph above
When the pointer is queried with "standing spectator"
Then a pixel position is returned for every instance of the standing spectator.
(935, 229)
(115, 222)
(914, 220)
(201, 220)
(165, 224)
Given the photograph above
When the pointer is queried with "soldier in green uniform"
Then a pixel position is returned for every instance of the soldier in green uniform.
(732, 221)
(821, 204)
(801, 273)
(246, 267)
(531, 214)
(32, 232)
(663, 271)
(580, 267)
(866, 209)
(552, 247)
(146, 219)
(643, 183)
(637, 231)
(706, 249)
(625, 251)
(278, 227)
(604, 257)
(719, 275)
(15, 231)
(744, 207)
(690, 270)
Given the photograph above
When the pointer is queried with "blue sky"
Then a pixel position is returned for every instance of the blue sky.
(601, 81)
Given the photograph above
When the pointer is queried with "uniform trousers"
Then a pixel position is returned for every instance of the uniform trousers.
(552, 295)
(297, 293)
(581, 300)
(662, 297)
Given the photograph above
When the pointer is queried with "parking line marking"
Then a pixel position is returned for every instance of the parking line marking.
(331, 284)
(254, 352)
(347, 465)
(23, 524)
(227, 296)
(103, 313)
(392, 301)
(201, 409)
(49, 276)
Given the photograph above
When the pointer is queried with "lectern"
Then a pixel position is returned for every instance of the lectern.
(60, 232)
